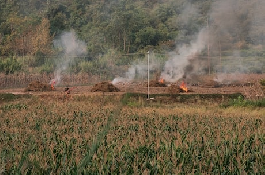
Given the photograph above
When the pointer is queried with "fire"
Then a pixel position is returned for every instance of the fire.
(183, 86)
(161, 80)
(52, 85)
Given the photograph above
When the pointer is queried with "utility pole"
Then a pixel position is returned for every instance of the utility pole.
(220, 54)
(208, 47)
(148, 61)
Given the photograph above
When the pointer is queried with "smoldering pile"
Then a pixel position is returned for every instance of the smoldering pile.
(175, 89)
(38, 86)
(105, 87)
(155, 83)
(225, 83)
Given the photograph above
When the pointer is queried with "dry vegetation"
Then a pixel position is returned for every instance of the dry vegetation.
(22, 80)
(246, 84)
(99, 134)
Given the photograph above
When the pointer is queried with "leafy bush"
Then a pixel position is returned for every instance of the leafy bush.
(6, 97)
(86, 66)
(9, 65)
(262, 82)
(14, 106)
(39, 59)
(47, 68)
(255, 70)
(241, 102)
(251, 53)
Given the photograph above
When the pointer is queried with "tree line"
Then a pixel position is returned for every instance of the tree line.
(29, 27)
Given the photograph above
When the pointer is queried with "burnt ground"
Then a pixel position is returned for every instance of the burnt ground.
(247, 85)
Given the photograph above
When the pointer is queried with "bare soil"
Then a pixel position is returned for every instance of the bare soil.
(247, 85)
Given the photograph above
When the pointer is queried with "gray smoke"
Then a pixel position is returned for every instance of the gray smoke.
(70, 47)
(139, 70)
(232, 23)
(238, 25)
(182, 59)
(240, 18)
(175, 67)
(257, 23)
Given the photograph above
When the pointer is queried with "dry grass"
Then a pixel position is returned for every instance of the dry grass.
(22, 80)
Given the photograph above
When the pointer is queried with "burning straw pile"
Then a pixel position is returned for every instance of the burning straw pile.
(105, 87)
(38, 86)
(155, 83)
(174, 88)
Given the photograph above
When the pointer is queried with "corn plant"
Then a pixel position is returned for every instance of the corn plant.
(101, 135)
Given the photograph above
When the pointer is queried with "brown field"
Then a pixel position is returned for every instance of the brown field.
(94, 133)
(246, 84)
(84, 132)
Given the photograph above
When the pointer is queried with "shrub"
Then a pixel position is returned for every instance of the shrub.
(9, 65)
(262, 82)
(46, 68)
(86, 66)
(241, 102)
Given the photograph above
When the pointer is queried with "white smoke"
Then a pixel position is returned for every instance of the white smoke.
(242, 21)
(257, 22)
(138, 70)
(231, 23)
(175, 67)
(129, 76)
(70, 48)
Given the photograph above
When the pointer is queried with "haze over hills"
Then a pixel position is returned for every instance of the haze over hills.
(109, 30)
(130, 26)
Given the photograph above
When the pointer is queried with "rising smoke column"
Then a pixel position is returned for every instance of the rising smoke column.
(175, 67)
(129, 76)
(231, 23)
(227, 19)
(180, 61)
(138, 69)
(169, 72)
(242, 21)
(70, 48)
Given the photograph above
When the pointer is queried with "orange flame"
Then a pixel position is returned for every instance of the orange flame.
(52, 85)
(183, 86)
(161, 80)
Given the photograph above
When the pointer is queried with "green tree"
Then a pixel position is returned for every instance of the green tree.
(147, 36)
(9, 65)
(41, 40)
(58, 17)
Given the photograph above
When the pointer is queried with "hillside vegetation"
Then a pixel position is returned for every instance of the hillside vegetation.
(113, 30)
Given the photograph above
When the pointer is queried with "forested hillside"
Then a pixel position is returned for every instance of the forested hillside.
(29, 27)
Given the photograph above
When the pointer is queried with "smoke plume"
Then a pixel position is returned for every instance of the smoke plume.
(69, 47)
(175, 67)
(237, 25)
(233, 25)
(230, 25)
(138, 70)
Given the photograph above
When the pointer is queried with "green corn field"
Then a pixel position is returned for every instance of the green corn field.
(97, 134)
